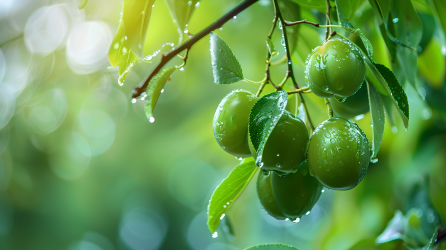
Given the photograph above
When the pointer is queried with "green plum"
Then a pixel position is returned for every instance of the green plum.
(284, 149)
(338, 153)
(266, 196)
(290, 196)
(230, 123)
(336, 67)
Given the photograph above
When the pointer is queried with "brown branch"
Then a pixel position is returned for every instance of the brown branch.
(188, 44)
(299, 22)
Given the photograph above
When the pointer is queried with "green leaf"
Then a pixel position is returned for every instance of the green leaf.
(181, 12)
(431, 243)
(383, 78)
(290, 12)
(346, 11)
(404, 28)
(377, 119)
(438, 8)
(127, 46)
(228, 191)
(429, 27)
(317, 4)
(271, 48)
(385, 81)
(263, 118)
(272, 247)
(154, 89)
(225, 66)
(409, 30)
(394, 230)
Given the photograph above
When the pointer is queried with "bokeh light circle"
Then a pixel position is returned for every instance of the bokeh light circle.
(45, 30)
(87, 47)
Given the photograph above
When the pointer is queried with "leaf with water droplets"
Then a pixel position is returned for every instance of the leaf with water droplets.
(127, 46)
(154, 89)
(377, 118)
(228, 191)
(181, 12)
(272, 247)
(263, 118)
(225, 66)
(394, 230)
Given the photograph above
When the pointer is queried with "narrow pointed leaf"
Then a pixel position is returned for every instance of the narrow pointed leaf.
(377, 121)
(263, 118)
(384, 78)
(154, 89)
(272, 247)
(127, 46)
(181, 12)
(225, 66)
(228, 191)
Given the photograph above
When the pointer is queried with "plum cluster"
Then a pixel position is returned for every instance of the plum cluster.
(296, 166)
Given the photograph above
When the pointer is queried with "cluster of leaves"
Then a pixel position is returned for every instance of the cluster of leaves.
(400, 26)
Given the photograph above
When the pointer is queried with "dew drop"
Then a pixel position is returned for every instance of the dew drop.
(182, 69)
(197, 4)
(296, 220)
(222, 216)
(214, 235)
(134, 100)
(152, 119)
(235, 17)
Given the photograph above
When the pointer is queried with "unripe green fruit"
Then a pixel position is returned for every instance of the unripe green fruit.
(336, 67)
(316, 90)
(230, 123)
(355, 105)
(266, 197)
(285, 148)
(338, 153)
(290, 196)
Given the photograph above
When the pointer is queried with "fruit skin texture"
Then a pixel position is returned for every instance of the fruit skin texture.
(266, 196)
(355, 105)
(230, 123)
(336, 67)
(338, 153)
(285, 148)
(290, 196)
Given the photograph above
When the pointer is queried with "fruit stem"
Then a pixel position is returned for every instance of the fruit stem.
(259, 82)
(300, 90)
(191, 41)
(328, 19)
(330, 110)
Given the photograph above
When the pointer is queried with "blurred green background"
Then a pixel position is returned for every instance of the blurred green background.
(81, 168)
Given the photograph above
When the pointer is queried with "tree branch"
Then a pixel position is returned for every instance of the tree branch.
(328, 18)
(188, 44)
(298, 22)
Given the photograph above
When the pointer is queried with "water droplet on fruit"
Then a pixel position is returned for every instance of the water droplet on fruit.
(296, 220)
(214, 235)
(152, 119)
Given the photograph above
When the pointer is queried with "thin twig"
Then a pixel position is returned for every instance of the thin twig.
(328, 18)
(300, 90)
(299, 22)
(307, 116)
(188, 44)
